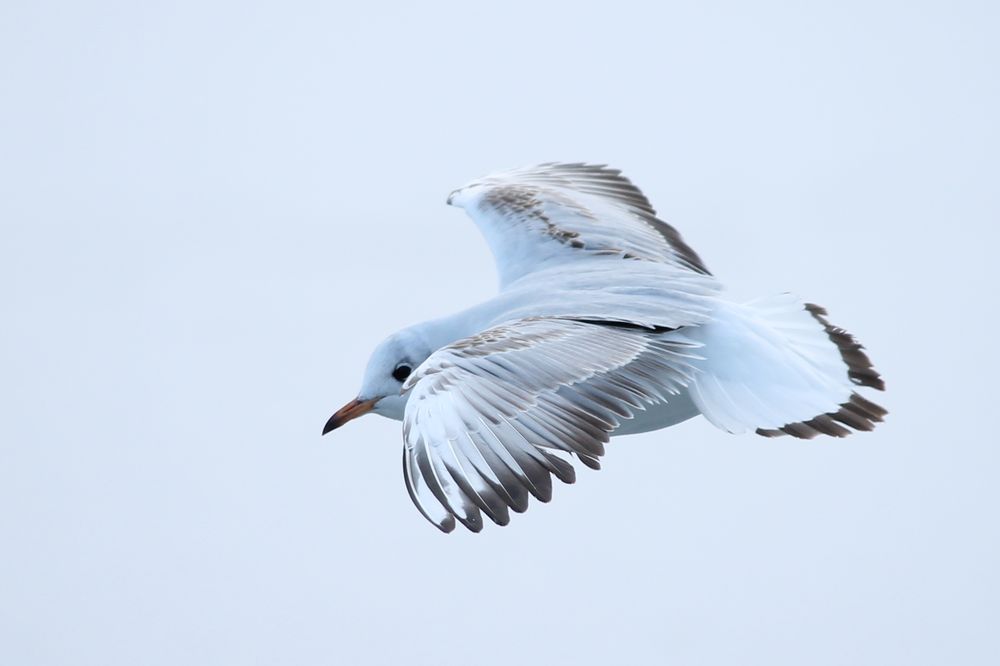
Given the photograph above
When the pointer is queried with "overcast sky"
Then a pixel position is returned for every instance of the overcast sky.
(211, 212)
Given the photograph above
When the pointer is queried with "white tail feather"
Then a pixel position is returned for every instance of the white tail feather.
(776, 366)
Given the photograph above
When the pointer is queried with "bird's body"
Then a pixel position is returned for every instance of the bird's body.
(606, 323)
(582, 295)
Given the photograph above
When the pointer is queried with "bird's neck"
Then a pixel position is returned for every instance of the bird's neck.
(442, 332)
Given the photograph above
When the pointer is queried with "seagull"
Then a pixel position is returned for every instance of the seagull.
(606, 323)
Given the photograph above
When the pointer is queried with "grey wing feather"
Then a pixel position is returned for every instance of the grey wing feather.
(490, 417)
(603, 181)
(536, 216)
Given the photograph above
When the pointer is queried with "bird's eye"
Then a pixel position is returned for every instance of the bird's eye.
(401, 372)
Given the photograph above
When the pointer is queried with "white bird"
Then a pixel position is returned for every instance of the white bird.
(607, 323)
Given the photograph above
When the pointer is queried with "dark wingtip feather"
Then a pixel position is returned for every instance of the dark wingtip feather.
(859, 366)
(858, 413)
(590, 461)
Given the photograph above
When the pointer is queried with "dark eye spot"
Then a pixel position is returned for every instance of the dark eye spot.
(401, 372)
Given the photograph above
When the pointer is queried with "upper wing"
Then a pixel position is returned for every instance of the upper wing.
(487, 413)
(550, 213)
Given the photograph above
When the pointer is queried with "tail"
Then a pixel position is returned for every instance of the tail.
(779, 367)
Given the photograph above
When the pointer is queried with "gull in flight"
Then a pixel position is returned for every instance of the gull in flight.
(607, 323)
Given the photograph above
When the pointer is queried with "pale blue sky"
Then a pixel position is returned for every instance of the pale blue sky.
(212, 211)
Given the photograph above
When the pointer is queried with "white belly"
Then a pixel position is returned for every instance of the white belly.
(679, 408)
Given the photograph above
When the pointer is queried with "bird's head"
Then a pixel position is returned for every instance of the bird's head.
(390, 365)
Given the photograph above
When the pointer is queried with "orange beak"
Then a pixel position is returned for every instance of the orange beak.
(351, 410)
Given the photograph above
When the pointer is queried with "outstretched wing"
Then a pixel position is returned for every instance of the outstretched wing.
(537, 216)
(492, 417)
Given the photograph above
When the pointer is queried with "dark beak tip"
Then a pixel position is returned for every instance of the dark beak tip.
(348, 412)
(332, 424)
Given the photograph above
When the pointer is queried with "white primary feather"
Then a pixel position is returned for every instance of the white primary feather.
(553, 213)
(486, 413)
